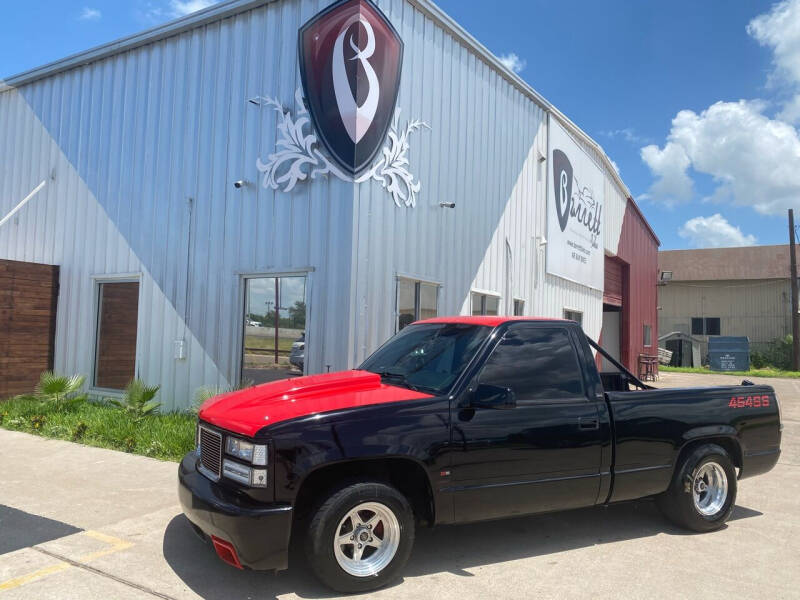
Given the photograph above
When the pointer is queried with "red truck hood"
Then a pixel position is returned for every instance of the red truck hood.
(247, 411)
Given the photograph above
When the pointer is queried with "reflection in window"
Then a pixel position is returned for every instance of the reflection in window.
(274, 328)
(484, 304)
(416, 300)
(537, 363)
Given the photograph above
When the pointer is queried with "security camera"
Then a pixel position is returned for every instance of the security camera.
(447, 204)
(239, 184)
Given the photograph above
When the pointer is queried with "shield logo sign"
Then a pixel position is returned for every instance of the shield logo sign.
(350, 63)
(562, 180)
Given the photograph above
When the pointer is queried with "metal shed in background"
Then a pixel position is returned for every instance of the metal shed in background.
(164, 175)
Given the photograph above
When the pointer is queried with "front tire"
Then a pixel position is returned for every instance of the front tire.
(703, 492)
(360, 537)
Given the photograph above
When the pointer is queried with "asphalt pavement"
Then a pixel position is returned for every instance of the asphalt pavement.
(87, 523)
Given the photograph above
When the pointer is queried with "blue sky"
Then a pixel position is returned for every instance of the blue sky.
(696, 102)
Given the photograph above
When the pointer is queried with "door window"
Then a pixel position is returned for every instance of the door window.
(274, 328)
(537, 363)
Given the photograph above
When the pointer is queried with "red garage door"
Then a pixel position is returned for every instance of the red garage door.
(612, 294)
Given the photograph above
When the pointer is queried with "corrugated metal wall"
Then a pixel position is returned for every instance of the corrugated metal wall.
(155, 137)
(639, 249)
(482, 153)
(759, 309)
(146, 144)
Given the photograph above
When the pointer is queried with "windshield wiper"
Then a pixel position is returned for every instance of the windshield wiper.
(399, 377)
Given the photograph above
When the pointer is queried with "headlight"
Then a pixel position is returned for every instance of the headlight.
(239, 449)
(244, 475)
(253, 453)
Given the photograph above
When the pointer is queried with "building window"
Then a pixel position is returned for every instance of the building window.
(416, 300)
(117, 320)
(274, 336)
(574, 315)
(646, 335)
(519, 307)
(705, 326)
(485, 304)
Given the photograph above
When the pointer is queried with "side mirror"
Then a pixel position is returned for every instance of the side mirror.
(493, 396)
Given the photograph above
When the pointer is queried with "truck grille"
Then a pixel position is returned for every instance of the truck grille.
(210, 452)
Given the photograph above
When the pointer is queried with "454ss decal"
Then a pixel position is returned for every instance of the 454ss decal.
(748, 401)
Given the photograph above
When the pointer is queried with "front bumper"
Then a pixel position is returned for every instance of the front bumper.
(259, 533)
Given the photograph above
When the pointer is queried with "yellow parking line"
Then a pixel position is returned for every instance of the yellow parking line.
(23, 579)
(115, 545)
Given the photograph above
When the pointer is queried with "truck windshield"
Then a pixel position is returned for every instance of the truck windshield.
(428, 356)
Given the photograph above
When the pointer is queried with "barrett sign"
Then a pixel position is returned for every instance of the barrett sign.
(350, 63)
(574, 212)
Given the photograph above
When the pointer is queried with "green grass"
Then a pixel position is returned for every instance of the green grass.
(166, 437)
(765, 372)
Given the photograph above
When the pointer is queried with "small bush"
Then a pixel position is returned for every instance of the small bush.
(138, 400)
(60, 390)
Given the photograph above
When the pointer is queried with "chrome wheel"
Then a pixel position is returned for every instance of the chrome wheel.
(710, 489)
(366, 539)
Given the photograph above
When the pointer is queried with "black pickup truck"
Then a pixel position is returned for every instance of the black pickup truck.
(455, 420)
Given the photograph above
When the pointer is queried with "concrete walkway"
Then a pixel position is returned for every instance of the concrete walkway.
(79, 522)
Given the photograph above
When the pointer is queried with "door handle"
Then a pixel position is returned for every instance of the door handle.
(588, 423)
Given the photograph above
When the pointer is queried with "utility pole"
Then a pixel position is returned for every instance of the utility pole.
(795, 315)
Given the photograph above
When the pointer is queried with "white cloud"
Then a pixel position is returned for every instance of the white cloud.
(754, 160)
(779, 30)
(669, 165)
(159, 11)
(714, 232)
(628, 134)
(90, 14)
(179, 8)
(513, 62)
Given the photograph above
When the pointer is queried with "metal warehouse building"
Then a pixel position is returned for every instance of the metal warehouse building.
(214, 188)
(727, 291)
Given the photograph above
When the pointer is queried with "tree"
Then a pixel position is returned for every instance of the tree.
(297, 314)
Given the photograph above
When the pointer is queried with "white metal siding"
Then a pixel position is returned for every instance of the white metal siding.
(482, 153)
(156, 136)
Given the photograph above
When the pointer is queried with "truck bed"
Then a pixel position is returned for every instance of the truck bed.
(652, 426)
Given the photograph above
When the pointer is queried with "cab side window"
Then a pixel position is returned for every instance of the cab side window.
(537, 363)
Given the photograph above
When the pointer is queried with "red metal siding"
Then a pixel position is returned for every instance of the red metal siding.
(638, 247)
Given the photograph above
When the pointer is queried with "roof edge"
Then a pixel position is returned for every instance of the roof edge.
(214, 12)
(638, 211)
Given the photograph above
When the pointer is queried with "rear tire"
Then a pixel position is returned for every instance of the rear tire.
(702, 494)
(360, 537)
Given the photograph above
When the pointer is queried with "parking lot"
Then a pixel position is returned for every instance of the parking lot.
(79, 522)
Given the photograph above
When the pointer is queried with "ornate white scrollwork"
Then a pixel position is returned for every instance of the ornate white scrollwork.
(298, 156)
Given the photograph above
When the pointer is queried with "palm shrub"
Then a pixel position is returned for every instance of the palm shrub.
(139, 399)
(59, 390)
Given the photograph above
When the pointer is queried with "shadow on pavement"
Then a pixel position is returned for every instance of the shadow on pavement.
(451, 549)
(19, 529)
